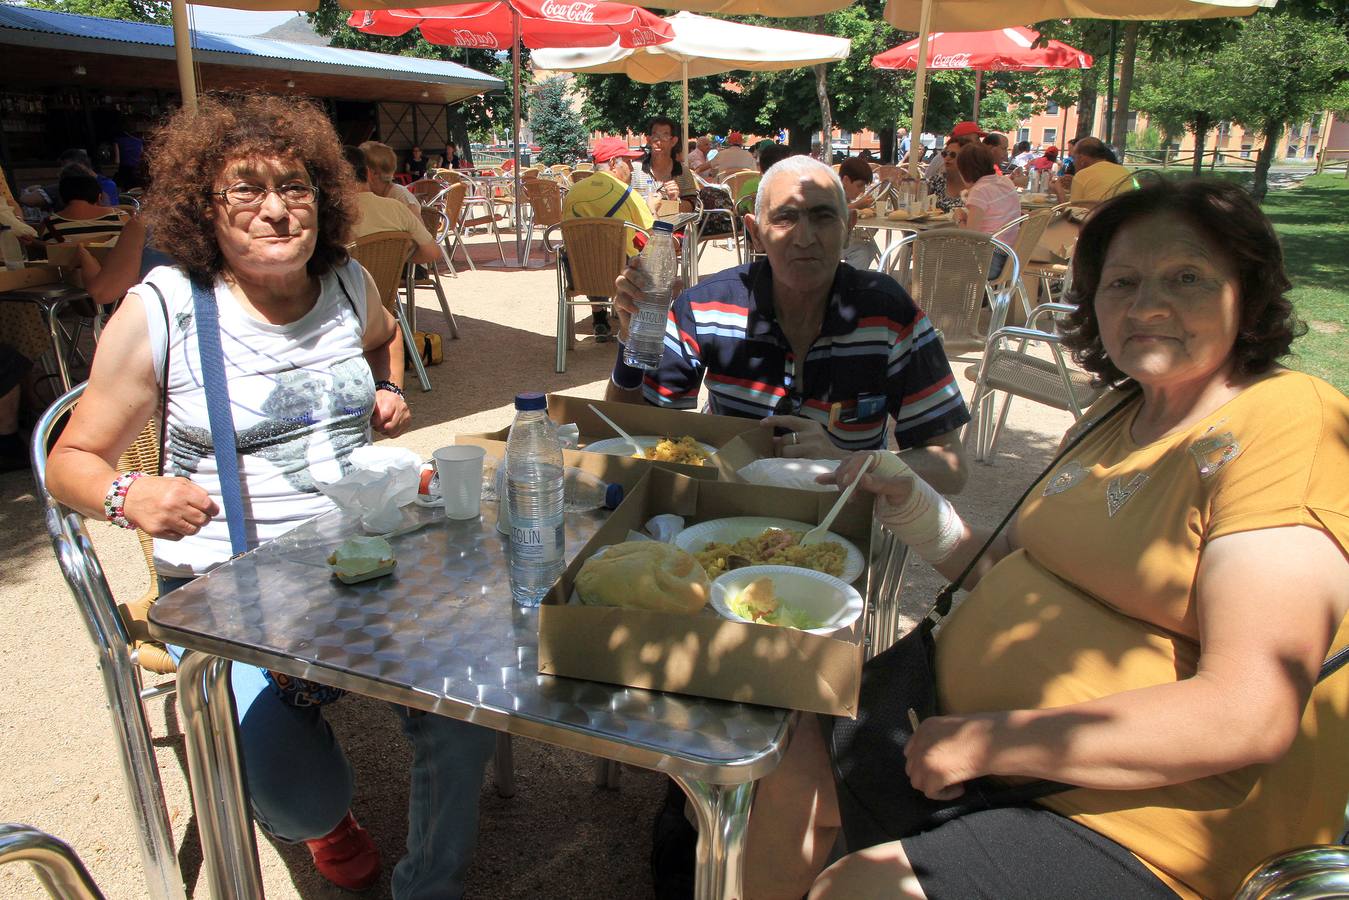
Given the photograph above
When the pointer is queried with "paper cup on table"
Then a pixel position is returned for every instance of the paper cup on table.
(459, 471)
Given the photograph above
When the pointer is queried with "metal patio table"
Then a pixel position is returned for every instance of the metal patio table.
(441, 634)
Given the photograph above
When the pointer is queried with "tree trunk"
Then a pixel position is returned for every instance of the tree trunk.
(826, 115)
(888, 144)
(1201, 126)
(1086, 103)
(1128, 53)
(798, 139)
(1273, 131)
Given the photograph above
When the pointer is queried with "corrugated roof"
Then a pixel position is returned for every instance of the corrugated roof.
(67, 31)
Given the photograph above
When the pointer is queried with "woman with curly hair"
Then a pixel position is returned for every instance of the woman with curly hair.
(254, 200)
(1149, 630)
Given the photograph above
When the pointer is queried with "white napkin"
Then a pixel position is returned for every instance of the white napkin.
(382, 480)
(789, 473)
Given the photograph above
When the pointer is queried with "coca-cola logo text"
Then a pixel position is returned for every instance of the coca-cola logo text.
(462, 37)
(569, 12)
(368, 19)
(950, 61)
(641, 36)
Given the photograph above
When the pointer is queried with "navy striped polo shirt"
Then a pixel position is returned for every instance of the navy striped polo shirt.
(875, 346)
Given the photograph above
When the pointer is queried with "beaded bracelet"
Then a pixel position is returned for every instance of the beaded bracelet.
(388, 386)
(115, 499)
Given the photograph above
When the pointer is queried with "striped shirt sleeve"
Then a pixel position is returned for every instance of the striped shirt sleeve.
(924, 399)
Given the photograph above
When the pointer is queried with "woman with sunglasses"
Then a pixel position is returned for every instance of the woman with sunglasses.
(253, 200)
(674, 180)
(947, 184)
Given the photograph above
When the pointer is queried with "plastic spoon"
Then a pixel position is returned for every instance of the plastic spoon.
(817, 534)
(636, 447)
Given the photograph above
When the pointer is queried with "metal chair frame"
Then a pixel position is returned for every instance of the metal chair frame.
(590, 271)
(56, 865)
(121, 676)
(1062, 386)
(438, 224)
(384, 254)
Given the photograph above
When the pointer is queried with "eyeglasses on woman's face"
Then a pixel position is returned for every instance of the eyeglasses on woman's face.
(245, 195)
(950, 154)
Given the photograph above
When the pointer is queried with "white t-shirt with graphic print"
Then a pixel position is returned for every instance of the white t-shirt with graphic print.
(301, 396)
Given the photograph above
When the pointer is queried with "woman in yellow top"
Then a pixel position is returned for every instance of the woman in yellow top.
(1151, 626)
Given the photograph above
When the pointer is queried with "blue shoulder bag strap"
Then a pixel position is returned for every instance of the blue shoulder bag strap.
(218, 411)
(619, 205)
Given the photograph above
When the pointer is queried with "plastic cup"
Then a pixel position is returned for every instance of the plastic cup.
(459, 472)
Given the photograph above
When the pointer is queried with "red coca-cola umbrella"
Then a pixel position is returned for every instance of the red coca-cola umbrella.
(1005, 50)
(543, 23)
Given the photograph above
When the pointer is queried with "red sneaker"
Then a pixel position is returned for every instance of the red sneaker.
(346, 856)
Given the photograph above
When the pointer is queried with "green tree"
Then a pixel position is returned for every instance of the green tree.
(1283, 68)
(561, 136)
(131, 10)
(616, 103)
(1184, 95)
(477, 114)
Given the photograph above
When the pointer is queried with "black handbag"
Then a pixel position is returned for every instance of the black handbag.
(876, 802)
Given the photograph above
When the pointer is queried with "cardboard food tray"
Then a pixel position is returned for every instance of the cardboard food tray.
(721, 432)
(704, 654)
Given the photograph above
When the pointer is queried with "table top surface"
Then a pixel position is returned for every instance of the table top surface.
(926, 224)
(442, 634)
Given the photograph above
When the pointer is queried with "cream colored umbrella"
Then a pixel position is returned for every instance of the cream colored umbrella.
(182, 34)
(927, 16)
(701, 46)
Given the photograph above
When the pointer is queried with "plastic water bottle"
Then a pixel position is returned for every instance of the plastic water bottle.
(534, 494)
(646, 334)
(10, 248)
(584, 492)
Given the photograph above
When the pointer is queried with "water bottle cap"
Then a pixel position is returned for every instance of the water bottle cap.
(530, 400)
(613, 495)
(667, 227)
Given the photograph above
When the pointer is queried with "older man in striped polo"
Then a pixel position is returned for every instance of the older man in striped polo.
(822, 352)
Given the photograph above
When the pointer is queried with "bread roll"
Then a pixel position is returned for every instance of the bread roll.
(644, 575)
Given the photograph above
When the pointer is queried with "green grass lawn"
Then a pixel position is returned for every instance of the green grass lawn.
(1313, 223)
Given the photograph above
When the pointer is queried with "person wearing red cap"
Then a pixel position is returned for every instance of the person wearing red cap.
(1046, 161)
(608, 193)
(733, 156)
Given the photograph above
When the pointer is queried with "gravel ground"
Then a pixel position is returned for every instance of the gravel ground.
(560, 836)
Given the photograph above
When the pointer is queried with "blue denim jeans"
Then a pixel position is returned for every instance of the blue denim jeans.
(300, 784)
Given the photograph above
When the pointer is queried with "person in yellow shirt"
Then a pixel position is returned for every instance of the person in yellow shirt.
(1097, 176)
(1149, 631)
(608, 194)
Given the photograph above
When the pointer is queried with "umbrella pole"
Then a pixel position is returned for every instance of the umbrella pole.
(978, 89)
(182, 52)
(515, 122)
(920, 88)
(684, 72)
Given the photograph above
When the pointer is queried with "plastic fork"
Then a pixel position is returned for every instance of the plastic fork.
(818, 533)
(636, 447)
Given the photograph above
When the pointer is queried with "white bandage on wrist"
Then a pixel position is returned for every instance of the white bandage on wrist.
(926, 520)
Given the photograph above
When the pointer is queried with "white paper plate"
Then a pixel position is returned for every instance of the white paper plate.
(616, 446)
(695, 538)
(823, 598)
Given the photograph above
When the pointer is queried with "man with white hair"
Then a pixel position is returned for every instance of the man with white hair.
(823, 352)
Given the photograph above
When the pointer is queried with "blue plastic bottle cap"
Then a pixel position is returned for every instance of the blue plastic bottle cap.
(530, 400)
(613, 495)
(667, 227)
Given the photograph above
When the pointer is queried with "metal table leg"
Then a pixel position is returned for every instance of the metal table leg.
(229, 848)
(723, 819)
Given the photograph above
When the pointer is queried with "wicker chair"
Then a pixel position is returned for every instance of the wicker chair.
(578, 173)
(735, 180)
(1031, 229)
(1051, 273)
(429, 191)
(477, 211)
(945, 271)
(1007, 367)
(592, 253)
(384, 254)
(545, 208)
